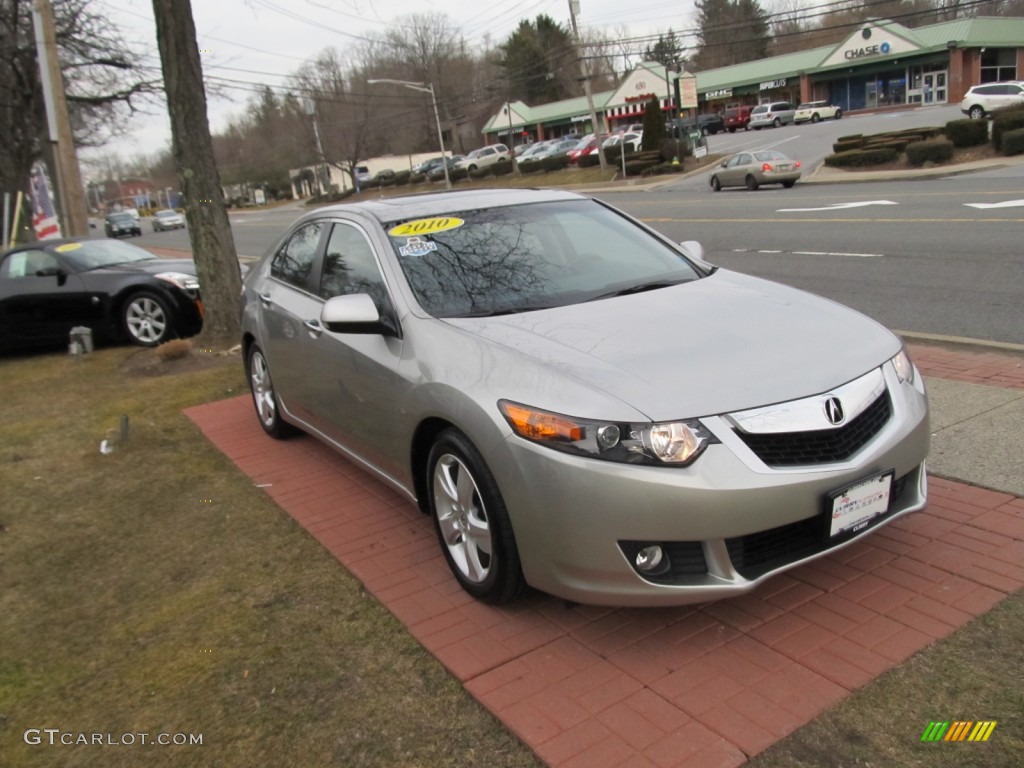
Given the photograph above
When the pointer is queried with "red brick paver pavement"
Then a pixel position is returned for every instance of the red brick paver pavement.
(701, 686)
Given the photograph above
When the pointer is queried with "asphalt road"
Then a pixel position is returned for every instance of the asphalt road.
(915, 255)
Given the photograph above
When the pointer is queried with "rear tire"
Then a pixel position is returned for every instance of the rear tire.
(263, 396)
(839, 114)
(471, 520)
(976, 113)
(815, 118)
(716, 185)
(751, 183)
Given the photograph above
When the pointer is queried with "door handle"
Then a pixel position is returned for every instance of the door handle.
(314, 327)
(265, 299)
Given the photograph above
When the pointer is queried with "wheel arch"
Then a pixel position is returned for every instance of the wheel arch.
(419, 451)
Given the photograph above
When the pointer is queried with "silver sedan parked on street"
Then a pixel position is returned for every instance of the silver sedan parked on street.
(582, 405)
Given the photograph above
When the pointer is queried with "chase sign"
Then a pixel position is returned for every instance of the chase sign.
(870, 50)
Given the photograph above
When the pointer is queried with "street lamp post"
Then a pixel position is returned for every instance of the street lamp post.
(425, 88)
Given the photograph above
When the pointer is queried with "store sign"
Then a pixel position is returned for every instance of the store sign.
(641, 97)
(579, 119)
(721, 93)
(772, 84)
(870, 50)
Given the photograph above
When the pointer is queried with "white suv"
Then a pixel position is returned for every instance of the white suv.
(483, 157)
(980, 100)
(771, 115)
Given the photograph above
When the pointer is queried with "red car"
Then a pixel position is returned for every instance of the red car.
(584, 147)
(737, 117)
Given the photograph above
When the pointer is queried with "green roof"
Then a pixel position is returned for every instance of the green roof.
(556, 110)
(982, 30)
(786, 65)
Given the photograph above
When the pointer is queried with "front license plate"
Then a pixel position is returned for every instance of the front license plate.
(853, 508)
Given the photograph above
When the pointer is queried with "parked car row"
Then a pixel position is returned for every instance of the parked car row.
(778, 113)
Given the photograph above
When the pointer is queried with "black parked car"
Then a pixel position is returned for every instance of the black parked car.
(121, 224)
(706, 124)
(118, 290)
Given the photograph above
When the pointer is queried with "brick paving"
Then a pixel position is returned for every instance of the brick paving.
(702, 686)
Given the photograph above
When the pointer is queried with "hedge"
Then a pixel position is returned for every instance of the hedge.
(402, 178)
(417, 178)
(555, 162)
(530, 166)
(858, 158)
(1013, 142)
(662, 168)
(967, 133)
(846, 146)
(851, 137)
(501, 169)
(637, 167)
(932, 150)
(898, 144)
(1004, 122)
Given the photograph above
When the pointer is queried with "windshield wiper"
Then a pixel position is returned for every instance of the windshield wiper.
(638, 288)
(505, 310)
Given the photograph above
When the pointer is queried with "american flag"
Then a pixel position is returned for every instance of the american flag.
(44, 217)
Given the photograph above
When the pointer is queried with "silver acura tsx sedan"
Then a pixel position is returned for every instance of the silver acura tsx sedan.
(581, 405)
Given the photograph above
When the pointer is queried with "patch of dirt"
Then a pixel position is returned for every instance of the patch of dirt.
(149, 362)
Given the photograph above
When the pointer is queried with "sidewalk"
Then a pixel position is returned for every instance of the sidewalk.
(701, 686)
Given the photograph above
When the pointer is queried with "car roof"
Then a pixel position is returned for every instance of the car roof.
(437, 203)
(50, 244)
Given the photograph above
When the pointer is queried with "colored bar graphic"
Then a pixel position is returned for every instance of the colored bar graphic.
(959, 730)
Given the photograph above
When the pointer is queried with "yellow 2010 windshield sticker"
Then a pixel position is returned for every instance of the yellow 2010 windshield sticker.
(67, 247)
(426, 226)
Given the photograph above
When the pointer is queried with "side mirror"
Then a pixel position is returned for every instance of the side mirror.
(355, 313)
(695, 251)
(723, 164)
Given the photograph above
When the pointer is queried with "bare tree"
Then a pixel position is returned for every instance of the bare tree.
(213, 246)
(102, 79)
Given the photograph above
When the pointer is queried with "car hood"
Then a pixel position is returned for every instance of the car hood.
(154, 267)
(715, 345)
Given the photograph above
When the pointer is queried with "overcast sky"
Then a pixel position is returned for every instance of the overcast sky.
(275, 37)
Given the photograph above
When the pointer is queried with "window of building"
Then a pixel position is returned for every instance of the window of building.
(998, 64)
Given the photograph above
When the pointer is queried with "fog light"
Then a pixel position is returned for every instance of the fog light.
(608, 436)
(649, 558)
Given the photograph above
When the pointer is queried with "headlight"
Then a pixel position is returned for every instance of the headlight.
(674, 443)
(188, 283)
(905, 370)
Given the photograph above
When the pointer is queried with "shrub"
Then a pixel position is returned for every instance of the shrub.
(1013, 142)
(402, 178)
(670, 148)
(1003, 122)
(500, 169)
(967, 133)
(662, 169)
(175, 349)
(846, 146)
(417, 178)
(479, 173)
(858, 158)
(589, 161)
(898, 144)
(931, 150)
(637, 167)
(555, 162)
(456, 174)
(530, 166)
(851, 137)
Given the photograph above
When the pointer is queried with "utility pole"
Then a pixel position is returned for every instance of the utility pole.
(512, 141)
(70, 195)
(574, 8)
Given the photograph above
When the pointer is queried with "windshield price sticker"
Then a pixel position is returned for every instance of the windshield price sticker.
(855, 507)
(417, 246)
(67, 247)
(426, 226)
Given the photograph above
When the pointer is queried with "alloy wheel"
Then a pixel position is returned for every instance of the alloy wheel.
(465, 528)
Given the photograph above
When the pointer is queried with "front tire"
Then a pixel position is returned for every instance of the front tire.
(815, 118)
(716, 185)
(264, 397)
(751, 182)
(471, 520)
(839, 114)
(147, 319)
(776, 123)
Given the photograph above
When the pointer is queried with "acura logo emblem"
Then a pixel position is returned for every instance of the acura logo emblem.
(834, 411)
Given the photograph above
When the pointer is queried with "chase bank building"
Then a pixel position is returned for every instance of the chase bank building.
(881, 64)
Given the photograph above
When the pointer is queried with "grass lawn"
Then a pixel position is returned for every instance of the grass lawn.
(156, 590)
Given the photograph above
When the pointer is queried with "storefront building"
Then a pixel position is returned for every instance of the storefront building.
(880, 65)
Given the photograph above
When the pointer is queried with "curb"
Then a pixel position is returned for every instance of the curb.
(982, 345)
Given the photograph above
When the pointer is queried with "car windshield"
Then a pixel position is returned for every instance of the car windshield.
(120, 218)
(758, 110)
(93, 254)
(526, 257)
(166, 214)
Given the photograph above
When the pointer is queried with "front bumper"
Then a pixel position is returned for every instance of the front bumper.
(728, 520)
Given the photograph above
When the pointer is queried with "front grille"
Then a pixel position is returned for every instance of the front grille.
(758, 553)
(822, 446)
